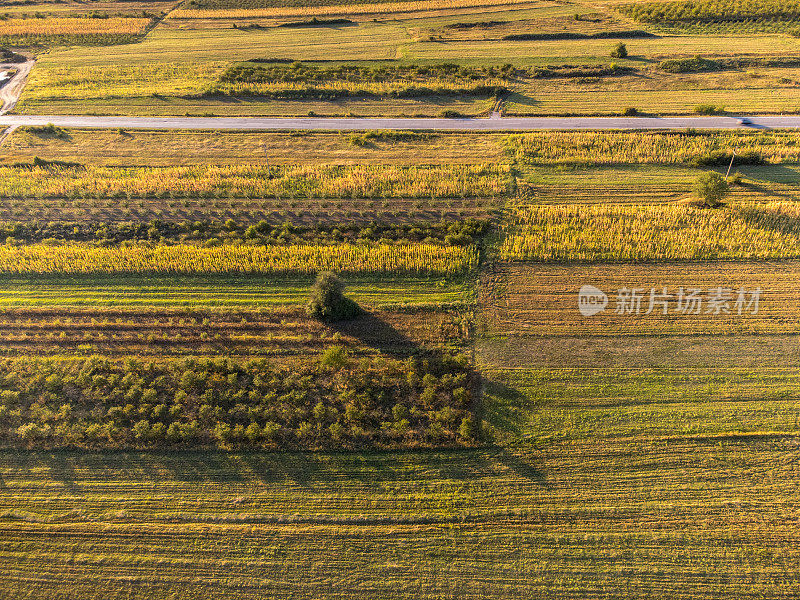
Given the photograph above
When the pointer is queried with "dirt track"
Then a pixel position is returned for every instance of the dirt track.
(10, 92)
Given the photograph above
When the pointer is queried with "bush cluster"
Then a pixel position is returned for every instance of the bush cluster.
(455, 233)
(8, 56)
(369, 137)
(299, 72)
(328, 302)
(689, 65)
(336, 402)
(577, 71)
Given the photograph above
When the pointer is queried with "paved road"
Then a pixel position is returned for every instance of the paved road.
(357, 124)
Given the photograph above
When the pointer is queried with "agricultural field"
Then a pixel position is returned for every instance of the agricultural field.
(171, 148)
(71, 30)
(406, 58)
(399, 364)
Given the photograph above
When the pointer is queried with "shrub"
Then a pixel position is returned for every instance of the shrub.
(711, 188)
(327, 302)
(335, 357)
(619, 51)
(708, 109)
(689, 65)
(630, 112)
(736, 179)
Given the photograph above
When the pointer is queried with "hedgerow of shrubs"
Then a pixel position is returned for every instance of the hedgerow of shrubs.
(455, 233)
(8, 56)
(338, 401)
(699, 64)
(304, 81)
(304, 73)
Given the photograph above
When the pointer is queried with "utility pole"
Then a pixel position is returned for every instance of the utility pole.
(730, 166)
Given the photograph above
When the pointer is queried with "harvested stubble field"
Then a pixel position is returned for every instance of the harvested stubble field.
(553, 374)
(281, 332)
(542, 300)
(564, 521)
(173, 148)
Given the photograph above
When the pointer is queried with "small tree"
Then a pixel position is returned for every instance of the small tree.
(619, 51)
(328, 302)
(710, 188)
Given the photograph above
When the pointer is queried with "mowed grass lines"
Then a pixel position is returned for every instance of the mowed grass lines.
(254, 181)
(607, 402)
(221, 292)
(685, 519)
(184, 258)
(71, 30)
(539, 300)
(617, 147)
(648, 233)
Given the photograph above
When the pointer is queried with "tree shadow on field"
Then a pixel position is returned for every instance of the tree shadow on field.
(768, 174)
(374, 332)
(522, 466)
(502, 407)
(521, 99)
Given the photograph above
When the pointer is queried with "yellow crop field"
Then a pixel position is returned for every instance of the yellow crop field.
(616, 147)
(350, 9)
(255, 181)
(73, 26)
(185, 258)
(648, 233)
